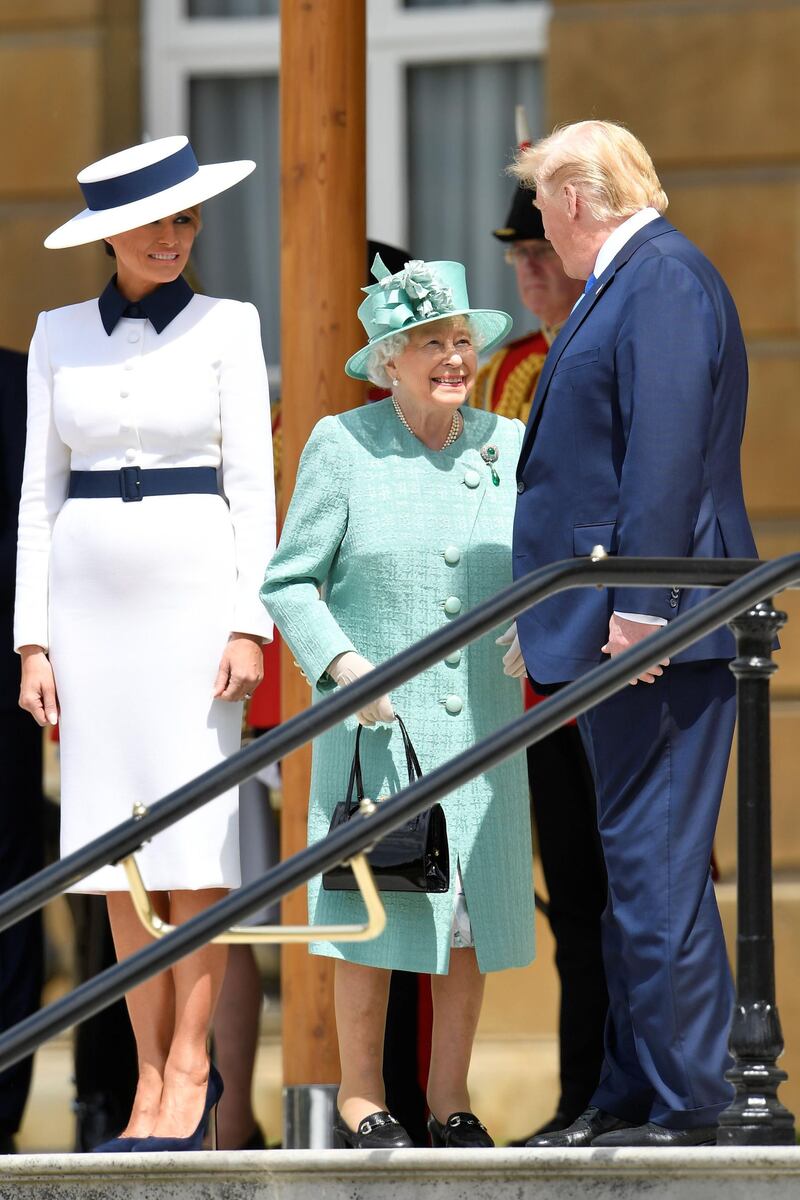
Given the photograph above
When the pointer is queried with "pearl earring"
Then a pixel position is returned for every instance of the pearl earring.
(395, 382)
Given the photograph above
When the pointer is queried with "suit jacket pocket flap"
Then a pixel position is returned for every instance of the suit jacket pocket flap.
(578, 360)
(586, 537)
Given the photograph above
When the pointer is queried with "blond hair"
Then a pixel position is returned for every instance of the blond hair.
(608, 167)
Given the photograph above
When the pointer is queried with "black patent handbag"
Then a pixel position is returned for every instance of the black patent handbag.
(413, 858)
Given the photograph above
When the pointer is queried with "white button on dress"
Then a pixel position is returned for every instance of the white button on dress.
(471, 478)
(452, 605)
(452, 555)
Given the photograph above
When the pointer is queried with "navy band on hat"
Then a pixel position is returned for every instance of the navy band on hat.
(137, 185)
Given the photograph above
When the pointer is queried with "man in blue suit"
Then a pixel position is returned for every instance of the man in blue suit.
(633, 444)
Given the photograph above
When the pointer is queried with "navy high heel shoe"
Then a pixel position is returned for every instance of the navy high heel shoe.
(195, 1140)
(117, 1145)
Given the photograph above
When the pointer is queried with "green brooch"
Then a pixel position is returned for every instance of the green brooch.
(490, 455)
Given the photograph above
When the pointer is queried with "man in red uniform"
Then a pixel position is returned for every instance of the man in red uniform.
(562, 792)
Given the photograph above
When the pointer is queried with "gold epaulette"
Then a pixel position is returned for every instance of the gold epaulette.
(483, 391)
(517, 394)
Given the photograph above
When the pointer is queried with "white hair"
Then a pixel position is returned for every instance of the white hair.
(381, 354)
(388, 349)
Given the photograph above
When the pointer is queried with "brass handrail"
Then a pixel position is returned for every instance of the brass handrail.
(239, 935)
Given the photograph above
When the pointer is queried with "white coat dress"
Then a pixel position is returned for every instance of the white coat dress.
(135, 601)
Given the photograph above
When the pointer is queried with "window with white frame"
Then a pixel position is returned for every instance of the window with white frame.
(443, 79)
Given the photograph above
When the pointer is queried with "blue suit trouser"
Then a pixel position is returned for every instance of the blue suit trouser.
(659, 754)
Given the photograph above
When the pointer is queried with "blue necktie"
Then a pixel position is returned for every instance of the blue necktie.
(590, 282)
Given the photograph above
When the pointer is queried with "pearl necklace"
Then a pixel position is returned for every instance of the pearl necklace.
(455, 428)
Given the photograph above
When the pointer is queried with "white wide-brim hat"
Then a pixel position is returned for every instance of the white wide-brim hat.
(143, 184)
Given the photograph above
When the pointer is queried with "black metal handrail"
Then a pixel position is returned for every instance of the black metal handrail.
(126, 837)
(760, 581)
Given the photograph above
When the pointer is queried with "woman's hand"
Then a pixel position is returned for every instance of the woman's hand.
(37, 693)
(348, 667)
(241, 668)
(513, 662)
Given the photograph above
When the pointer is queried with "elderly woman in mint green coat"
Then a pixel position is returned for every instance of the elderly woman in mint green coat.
(401, 518)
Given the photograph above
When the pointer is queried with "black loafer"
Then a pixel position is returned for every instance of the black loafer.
(461, 1131)
(658, 1135)
(378, 1131)
(582, 1132)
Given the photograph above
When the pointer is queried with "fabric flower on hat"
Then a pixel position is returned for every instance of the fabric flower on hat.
(414, 294)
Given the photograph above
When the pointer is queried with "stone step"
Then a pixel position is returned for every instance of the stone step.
(694, 1174)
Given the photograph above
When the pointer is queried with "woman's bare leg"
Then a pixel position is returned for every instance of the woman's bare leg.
(235, 1042)
(361, 995)
(457, 999)
(197, 982)
(152, 1010)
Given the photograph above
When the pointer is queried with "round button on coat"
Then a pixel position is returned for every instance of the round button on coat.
(471, 478)
(452, 555)
(452, 605)
(520, 488)
(454, 704)
(453, 659)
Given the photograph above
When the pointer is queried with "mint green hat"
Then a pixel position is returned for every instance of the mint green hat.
(422, 292)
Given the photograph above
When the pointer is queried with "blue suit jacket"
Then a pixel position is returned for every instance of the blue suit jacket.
(633, 443)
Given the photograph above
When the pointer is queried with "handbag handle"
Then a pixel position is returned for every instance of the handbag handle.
(412, 765)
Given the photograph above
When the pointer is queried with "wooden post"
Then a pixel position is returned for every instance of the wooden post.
(323, 240)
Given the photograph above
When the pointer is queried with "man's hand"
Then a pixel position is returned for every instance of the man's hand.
(622, 634)
(241, 668)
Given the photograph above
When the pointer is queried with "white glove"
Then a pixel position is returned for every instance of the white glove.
(347, 668)
(513, 662)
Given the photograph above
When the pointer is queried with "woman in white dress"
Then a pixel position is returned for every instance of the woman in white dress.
(146, 521)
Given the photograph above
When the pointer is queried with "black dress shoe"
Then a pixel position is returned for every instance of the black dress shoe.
(378, 1131)
(557, 1122)
(582, 1132)
(658, 1135)
(461, 1131)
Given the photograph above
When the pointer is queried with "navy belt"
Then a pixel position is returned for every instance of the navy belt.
(133, 483)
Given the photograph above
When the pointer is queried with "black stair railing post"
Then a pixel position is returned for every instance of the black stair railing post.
(756, 1116)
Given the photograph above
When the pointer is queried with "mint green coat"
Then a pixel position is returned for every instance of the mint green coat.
(380, 534)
